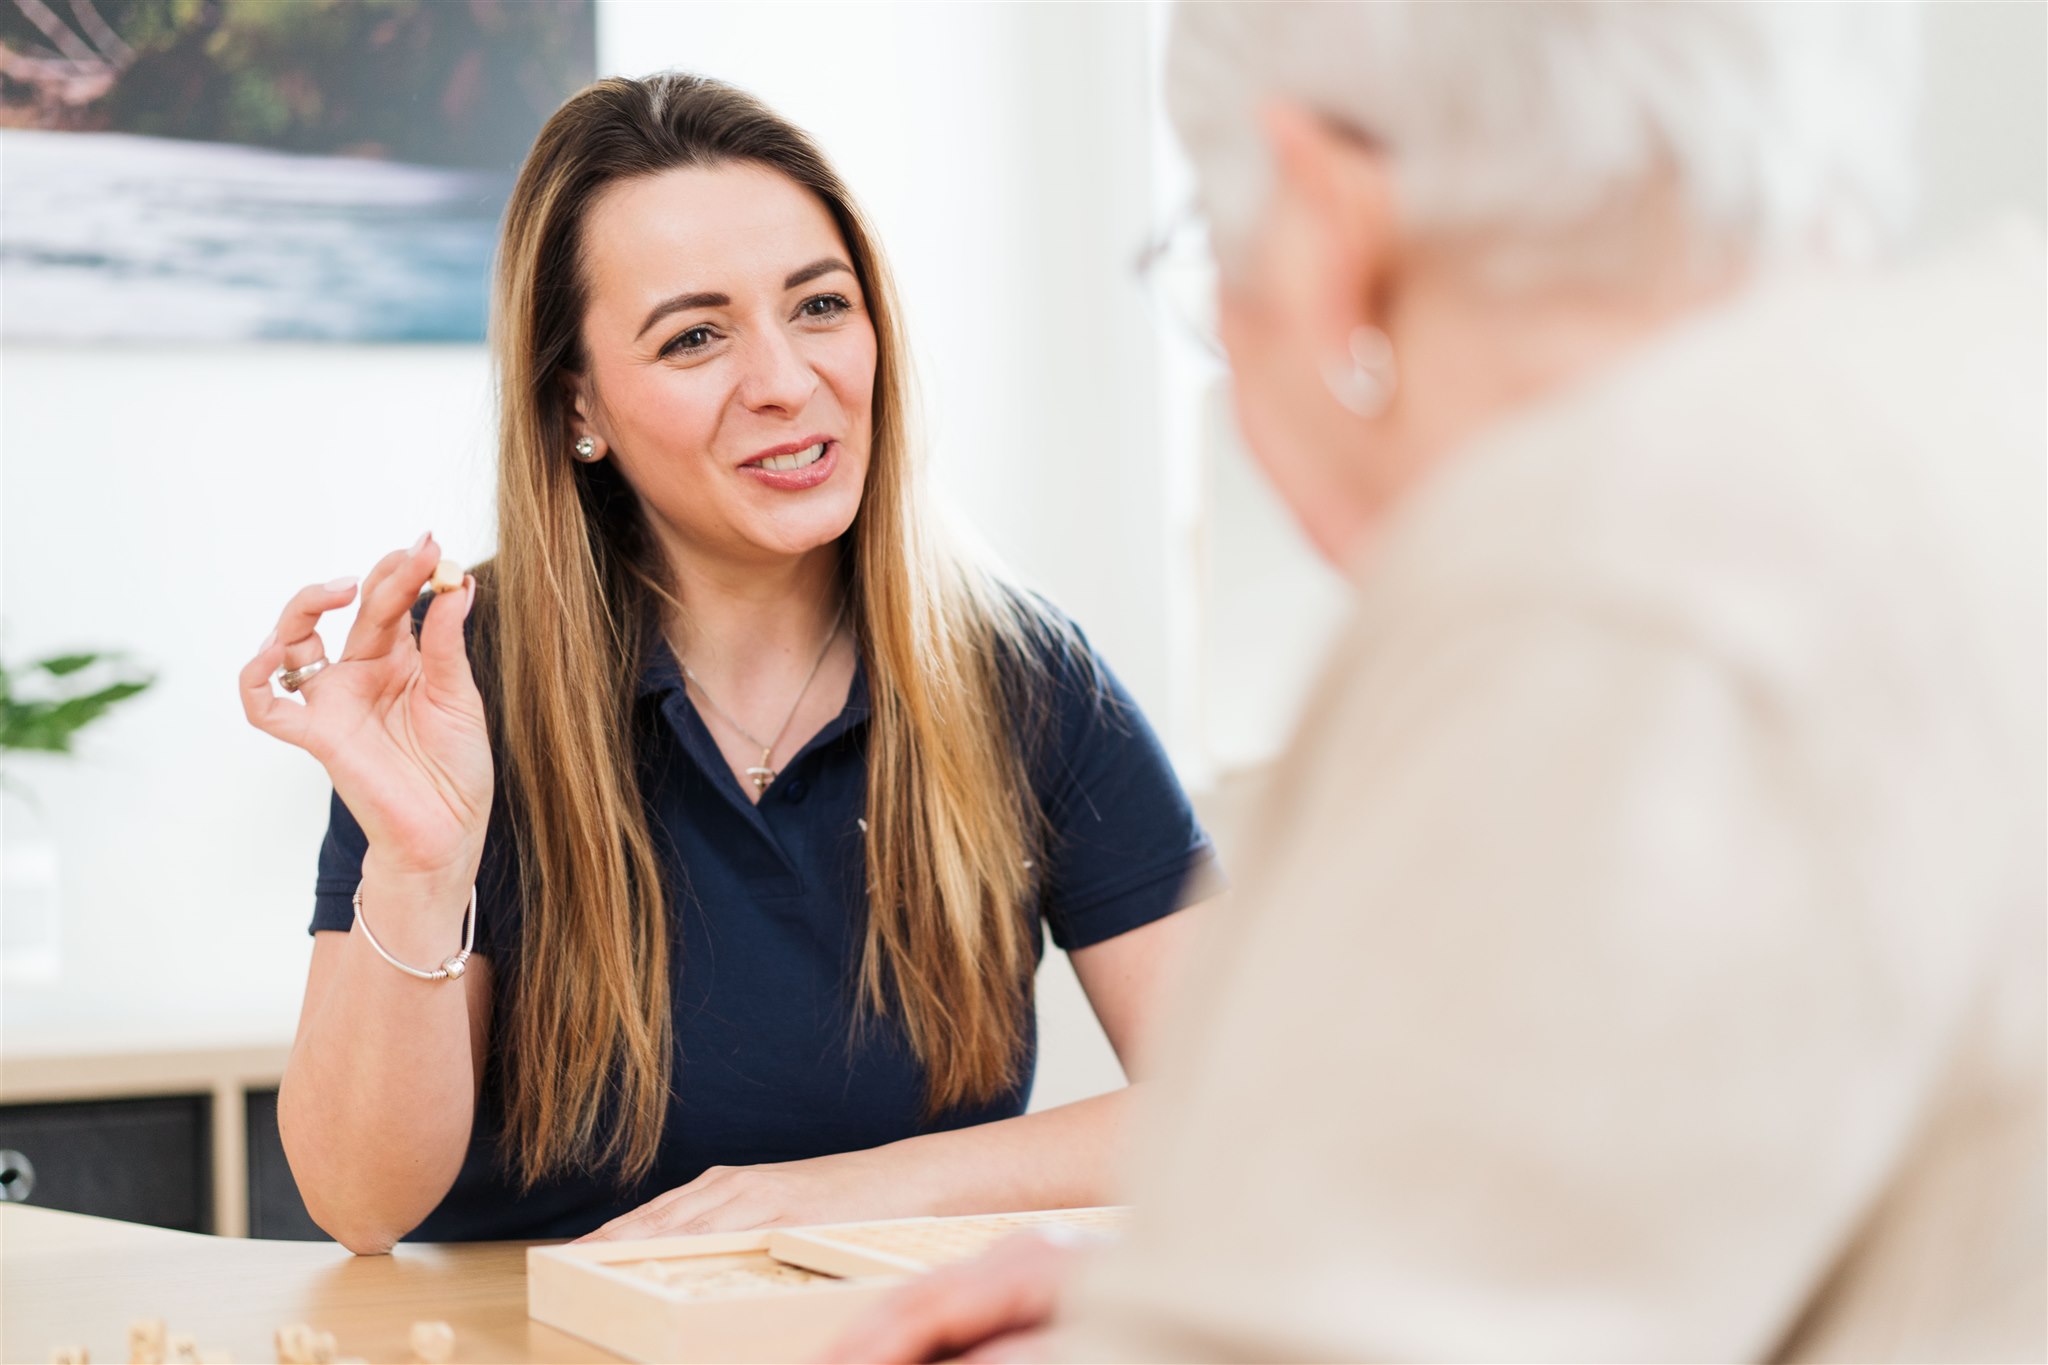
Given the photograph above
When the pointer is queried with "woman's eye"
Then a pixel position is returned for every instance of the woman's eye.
(696, 339)
(825, 306)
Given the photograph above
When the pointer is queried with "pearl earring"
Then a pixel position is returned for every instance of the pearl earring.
(586, 448)
(1363, 381)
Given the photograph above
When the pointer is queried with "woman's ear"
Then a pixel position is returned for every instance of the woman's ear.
(587, 441)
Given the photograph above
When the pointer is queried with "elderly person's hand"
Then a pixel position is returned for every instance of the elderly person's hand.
(990, 1309)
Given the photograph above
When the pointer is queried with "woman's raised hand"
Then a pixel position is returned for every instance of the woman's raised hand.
(398, 725)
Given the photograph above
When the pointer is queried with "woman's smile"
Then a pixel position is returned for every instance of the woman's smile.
(793, 468)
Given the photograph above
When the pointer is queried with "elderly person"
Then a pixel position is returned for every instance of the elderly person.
(1642, 957)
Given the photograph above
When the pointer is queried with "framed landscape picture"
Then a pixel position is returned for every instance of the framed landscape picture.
(232, 170)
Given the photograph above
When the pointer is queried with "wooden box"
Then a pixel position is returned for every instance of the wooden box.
(775, 1295)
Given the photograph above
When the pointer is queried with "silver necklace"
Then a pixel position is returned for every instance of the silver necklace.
(761, 774)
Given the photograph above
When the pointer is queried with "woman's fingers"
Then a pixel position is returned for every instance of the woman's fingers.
(723, 1215)
(620, 1228)
(444, 656)
(298, 625)
(294, 644)
(680, 1210)
(644, 1221)
(268, 712)
(388, 594)
(624, 1228)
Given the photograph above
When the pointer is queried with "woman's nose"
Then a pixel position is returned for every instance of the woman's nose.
(776, 375)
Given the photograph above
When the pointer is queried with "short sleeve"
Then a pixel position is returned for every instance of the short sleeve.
(1124, 847)
(341, 867)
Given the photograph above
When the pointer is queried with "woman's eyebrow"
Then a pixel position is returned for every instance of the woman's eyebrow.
(824, 265)
(677, 305)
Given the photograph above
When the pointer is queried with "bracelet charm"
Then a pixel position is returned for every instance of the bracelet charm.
(451, 968)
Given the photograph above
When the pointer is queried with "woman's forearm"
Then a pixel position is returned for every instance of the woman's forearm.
(1065, 1157)
(378, 1096)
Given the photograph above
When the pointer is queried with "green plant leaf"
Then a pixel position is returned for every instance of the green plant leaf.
(48, 725)
(31, 726)
(76, 712)
(60, 664)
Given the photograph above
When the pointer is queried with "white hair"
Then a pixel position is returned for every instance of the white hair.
(1776, 128)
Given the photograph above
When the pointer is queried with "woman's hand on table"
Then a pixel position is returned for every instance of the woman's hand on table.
(397, 723)
(994, 1308)
(848, 1187)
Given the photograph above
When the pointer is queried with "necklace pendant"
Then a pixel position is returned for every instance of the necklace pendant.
(761, 777)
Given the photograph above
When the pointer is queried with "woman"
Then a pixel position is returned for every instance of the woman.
(758, 791)
(1643, 960)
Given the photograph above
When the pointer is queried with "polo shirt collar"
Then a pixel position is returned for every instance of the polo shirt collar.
(661, 674)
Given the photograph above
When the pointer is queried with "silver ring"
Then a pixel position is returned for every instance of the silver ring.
(292, 679)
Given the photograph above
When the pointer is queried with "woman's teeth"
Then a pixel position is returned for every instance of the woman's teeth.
(796, 461)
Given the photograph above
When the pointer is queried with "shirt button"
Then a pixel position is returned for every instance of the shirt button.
(794, 789)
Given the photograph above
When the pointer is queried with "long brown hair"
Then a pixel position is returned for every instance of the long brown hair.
(584, 1043)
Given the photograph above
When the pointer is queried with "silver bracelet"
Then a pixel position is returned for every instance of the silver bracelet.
(451, 967)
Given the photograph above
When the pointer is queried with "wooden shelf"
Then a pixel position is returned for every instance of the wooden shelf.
(225, 1075)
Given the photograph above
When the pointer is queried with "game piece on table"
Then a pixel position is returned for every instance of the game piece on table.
(433, 1342)
(70, 1355)
(146, 1341)
(182, 1350)
(447, 577)
(294, 1343)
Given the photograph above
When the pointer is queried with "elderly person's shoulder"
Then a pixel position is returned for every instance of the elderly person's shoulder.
(1825, 463)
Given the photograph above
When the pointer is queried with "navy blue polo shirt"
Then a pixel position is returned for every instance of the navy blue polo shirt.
(767, 912)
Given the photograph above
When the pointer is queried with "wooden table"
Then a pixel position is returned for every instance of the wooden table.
(66, 1279)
